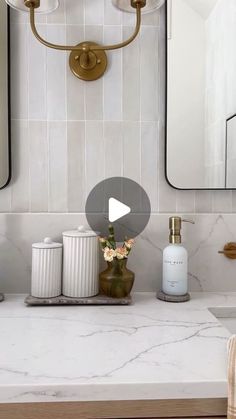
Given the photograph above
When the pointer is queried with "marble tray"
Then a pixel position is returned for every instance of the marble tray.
(173, 298)
(63, 301)
(1, 297)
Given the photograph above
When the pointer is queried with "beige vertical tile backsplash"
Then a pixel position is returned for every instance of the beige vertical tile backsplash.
(76, 168)
(20, 185)
(114, 76)
(94, 12)
(74, 12)
(132, 150)
(19, 71)
(37, 88)
(149, 162)
(131, 78)
(94, 154)
(58, 166)
(113, 140)
(67, 135)
(38, 166)
(112, 16)
(149, 73)
(94, 91)
(75, 88)
(56, 75)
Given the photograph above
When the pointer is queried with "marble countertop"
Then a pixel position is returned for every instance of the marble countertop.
(150, 350)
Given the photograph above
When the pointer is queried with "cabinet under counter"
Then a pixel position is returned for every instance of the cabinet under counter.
(199, 408)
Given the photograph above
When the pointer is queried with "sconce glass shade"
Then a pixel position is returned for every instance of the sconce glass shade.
(46, 6)
(125, 6)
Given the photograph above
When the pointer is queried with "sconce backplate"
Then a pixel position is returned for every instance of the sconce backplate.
(88, 65)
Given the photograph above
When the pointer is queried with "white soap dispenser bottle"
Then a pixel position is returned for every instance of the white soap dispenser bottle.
(175, 261)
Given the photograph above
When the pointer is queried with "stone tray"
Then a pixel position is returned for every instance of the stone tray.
(1, 297)
(173, 298)
(98, 300)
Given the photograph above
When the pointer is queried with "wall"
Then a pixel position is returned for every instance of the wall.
(61, 124)
(67, 135)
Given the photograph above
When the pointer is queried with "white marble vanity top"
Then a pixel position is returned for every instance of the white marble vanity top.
(150, 350)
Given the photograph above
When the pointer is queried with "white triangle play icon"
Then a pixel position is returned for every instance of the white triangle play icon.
(117, 210)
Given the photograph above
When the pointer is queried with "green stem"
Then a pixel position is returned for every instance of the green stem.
(111, 237)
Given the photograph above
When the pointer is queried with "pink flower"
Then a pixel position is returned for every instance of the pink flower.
(129, 243)
(121, 253)
(109, 254)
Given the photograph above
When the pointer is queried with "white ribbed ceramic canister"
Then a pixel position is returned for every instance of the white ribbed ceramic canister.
(80, 263)
(46, 269)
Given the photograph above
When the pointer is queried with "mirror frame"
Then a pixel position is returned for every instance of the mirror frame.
(167, 23)
(8, 100)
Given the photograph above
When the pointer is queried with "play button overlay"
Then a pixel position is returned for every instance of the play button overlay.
(121, 202)
(117, 210)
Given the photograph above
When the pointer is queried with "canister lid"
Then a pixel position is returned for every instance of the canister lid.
(81, 231)
(48, 243)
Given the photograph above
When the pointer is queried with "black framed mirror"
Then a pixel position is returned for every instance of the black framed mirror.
(5, 161)
(201, 94)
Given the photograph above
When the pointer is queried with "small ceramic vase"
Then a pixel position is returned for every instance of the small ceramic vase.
(116, 281)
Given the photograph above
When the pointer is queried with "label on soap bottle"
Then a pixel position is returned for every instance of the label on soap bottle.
(175, 270)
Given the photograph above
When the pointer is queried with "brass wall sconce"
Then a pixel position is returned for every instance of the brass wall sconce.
(88, 60)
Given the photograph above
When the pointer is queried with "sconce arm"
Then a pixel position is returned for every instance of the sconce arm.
(43, 41)
(128, 41)
(92, 48)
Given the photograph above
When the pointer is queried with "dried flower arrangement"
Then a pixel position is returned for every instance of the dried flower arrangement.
(110, 249)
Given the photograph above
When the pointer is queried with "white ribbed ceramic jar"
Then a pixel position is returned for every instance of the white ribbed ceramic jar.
(80, 263)
(46, 269)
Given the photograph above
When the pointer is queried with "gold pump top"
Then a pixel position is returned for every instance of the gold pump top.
(175, 225)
